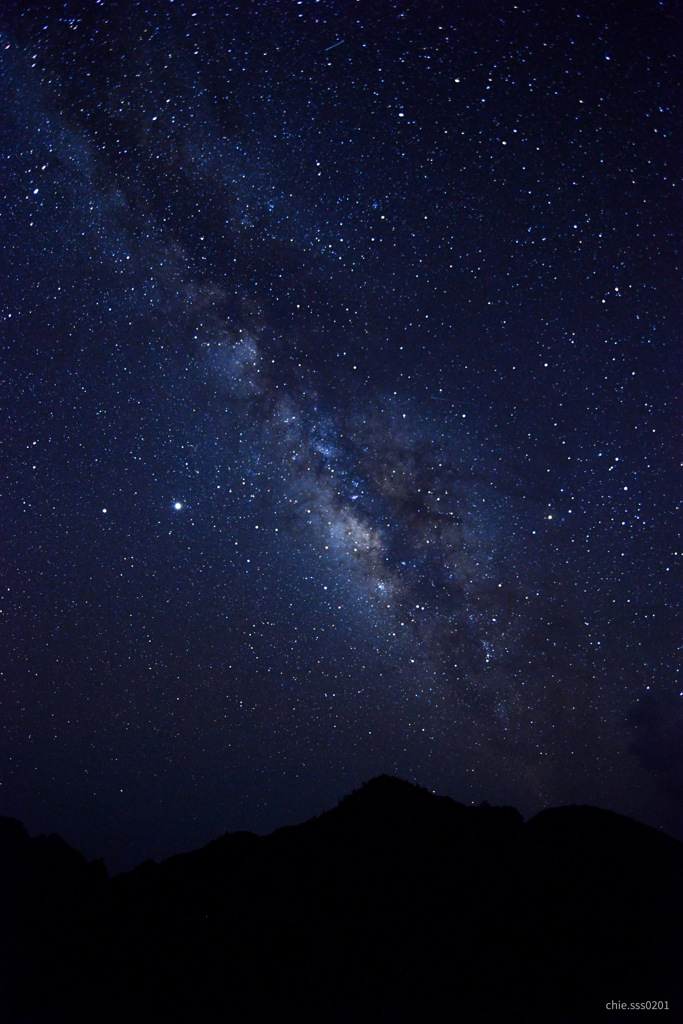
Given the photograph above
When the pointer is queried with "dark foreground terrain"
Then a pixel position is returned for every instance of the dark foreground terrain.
(397, 906)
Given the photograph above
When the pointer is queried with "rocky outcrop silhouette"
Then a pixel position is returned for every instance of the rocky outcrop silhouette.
(397, 906)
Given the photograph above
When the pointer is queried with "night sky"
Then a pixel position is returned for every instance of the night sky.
(340, 411)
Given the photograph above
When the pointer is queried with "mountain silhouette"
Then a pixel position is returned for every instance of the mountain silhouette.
(397, 906)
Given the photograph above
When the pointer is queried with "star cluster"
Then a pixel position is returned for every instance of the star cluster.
(339, 411)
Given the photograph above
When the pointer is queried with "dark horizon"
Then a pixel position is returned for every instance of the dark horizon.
(124, 861)
(395, 905)
(341, 411)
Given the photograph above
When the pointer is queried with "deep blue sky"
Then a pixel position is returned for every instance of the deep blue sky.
(340, 425)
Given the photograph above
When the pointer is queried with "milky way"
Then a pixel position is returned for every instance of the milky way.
(339, 412)
(427, 538)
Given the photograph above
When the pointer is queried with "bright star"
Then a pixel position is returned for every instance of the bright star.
(177, 505)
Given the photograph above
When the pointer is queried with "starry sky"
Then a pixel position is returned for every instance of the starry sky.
(340, 430)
